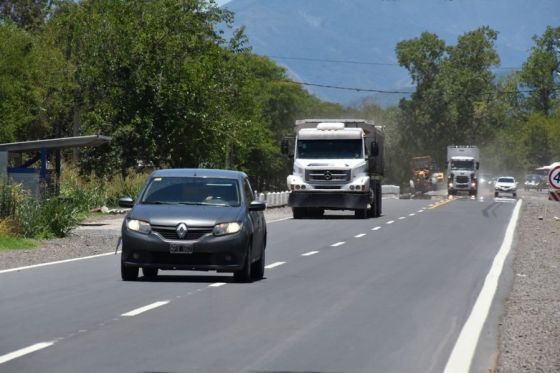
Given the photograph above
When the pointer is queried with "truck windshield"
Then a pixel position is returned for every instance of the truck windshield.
(462, 165)
(329, 149)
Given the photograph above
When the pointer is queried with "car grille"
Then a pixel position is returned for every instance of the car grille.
(327, 175)
(170, 233)
(462, 179)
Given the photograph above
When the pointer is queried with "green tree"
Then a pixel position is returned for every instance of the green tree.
(541, 72)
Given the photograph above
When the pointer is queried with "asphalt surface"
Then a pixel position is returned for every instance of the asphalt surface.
(392, 299)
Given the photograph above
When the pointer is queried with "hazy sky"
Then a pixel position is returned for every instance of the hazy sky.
(222, 2)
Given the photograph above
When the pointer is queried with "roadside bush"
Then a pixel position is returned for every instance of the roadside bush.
(129, 186)
(49, 218)
(82, 193)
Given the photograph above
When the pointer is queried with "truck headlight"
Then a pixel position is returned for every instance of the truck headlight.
(451, 185)
(226, 228)
(139, 226)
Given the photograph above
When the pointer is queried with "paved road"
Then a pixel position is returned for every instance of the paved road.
(342, 296)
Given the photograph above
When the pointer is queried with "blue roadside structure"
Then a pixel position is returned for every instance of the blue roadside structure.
(27, 173)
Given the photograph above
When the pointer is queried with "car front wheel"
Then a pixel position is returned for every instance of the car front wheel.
(244, 274)
(129, 273)
(257, 272)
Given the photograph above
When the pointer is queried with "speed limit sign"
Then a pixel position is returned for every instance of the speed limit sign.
(554, 178)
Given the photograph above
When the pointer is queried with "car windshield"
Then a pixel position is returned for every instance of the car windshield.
(462, 165)
(506, 180)
(329, 149)
(192, 191)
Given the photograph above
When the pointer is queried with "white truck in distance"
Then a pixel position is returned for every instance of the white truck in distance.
(338, 165)
(462, 164)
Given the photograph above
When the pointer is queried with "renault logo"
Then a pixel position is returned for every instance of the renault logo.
(328, 175)
(181, 230)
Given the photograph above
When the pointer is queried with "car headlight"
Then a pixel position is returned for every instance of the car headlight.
(139, 226)
(226, 228)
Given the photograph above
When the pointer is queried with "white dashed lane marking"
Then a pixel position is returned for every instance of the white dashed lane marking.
(402, 218)
(217, 284)
(24, 351)
(274, 265)
(310, 253)
(390, 222)
(413, 214)
(360, 235)
(149, 307)
(338, 243)
(375, 228)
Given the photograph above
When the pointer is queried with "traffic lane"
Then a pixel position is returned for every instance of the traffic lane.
(289, 237)
(46, 302)
(397, 306)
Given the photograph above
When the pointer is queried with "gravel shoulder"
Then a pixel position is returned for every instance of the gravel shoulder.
(529, 330)
(96, 235)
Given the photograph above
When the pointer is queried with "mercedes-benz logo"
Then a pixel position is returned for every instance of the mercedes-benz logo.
(328, 175)
(182, 230)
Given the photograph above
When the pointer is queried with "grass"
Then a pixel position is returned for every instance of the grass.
(13, 243)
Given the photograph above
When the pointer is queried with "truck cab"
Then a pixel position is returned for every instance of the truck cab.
(337, 166)
(462, 169)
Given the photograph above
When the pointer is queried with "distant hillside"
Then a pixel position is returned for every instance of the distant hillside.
(367, 30)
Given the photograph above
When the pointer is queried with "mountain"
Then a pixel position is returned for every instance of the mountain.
(368, 30)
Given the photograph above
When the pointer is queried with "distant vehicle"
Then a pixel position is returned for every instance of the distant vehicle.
(421, 173)
(505, 184)
(534, 181)
(194, 219)
(462, 169)
(338, 165)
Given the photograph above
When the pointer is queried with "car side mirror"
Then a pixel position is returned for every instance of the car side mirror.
(374, 149)
(126, 202)
(257, 206)
(477, 165)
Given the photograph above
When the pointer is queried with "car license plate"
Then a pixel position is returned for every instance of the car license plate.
(180, 249)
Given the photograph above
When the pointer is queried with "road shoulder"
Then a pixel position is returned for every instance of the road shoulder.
(529, 330)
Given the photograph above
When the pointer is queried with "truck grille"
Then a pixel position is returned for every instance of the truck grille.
(327, 176)
(462, 179)
(170, 233)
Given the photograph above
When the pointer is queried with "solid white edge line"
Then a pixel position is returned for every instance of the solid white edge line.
(359, 235)
(310, 253)
(24, 351)
(390, 222)
(462, 354)
(375, 228)
(274, 265)
(149, 307)
(217, 284)
(82, 257)
(338, 244)
(57, 262)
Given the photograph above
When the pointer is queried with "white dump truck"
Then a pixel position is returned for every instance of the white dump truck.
(463, 162)
(338, 165)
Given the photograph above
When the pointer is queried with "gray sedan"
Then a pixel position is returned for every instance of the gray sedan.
(194, 219)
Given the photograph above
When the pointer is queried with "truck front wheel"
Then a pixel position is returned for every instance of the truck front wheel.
(298, 212)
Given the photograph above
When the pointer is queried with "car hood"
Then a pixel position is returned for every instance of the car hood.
(505, 185)
(190, 215)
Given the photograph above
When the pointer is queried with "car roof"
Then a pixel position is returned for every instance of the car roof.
(506, 177)
(198, 172)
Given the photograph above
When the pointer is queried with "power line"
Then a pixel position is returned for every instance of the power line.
(355, 62)
(356, 89)
(373, 90)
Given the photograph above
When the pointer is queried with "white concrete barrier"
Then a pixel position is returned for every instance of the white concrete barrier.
(390, 189)
(274, 199)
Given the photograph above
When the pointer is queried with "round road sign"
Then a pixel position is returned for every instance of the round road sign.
(554, 178)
